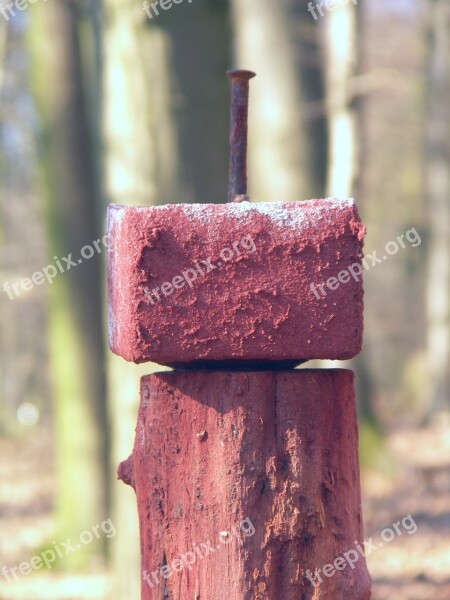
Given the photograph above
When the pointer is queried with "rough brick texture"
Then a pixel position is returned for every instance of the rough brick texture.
(194, 283)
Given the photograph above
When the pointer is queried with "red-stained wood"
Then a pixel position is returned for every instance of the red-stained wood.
(219, 456)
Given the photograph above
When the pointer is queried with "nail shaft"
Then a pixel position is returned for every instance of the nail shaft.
(237, 180)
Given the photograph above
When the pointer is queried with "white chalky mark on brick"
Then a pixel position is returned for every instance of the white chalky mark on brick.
(291, 217)
(116, 213)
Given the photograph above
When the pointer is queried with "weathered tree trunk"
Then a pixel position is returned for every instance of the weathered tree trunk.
(247, 482)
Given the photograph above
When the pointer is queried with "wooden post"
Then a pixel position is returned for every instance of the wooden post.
(247, 482)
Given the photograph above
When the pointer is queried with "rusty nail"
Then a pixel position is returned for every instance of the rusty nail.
(237, 180)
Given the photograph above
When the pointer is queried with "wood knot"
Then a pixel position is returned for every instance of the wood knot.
(125, 472)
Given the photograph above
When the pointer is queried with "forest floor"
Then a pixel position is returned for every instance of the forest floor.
(411, 476)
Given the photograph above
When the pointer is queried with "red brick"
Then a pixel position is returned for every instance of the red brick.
(258, 306)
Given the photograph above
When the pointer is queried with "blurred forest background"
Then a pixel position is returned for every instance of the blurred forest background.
(101, 104)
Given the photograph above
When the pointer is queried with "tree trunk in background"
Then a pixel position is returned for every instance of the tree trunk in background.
(163, 120)
(199, 38)
(3, 50)
(341, 58)
(342, 44)
(5, 413)
(287, 134)
(438, 201)
(75, 314)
